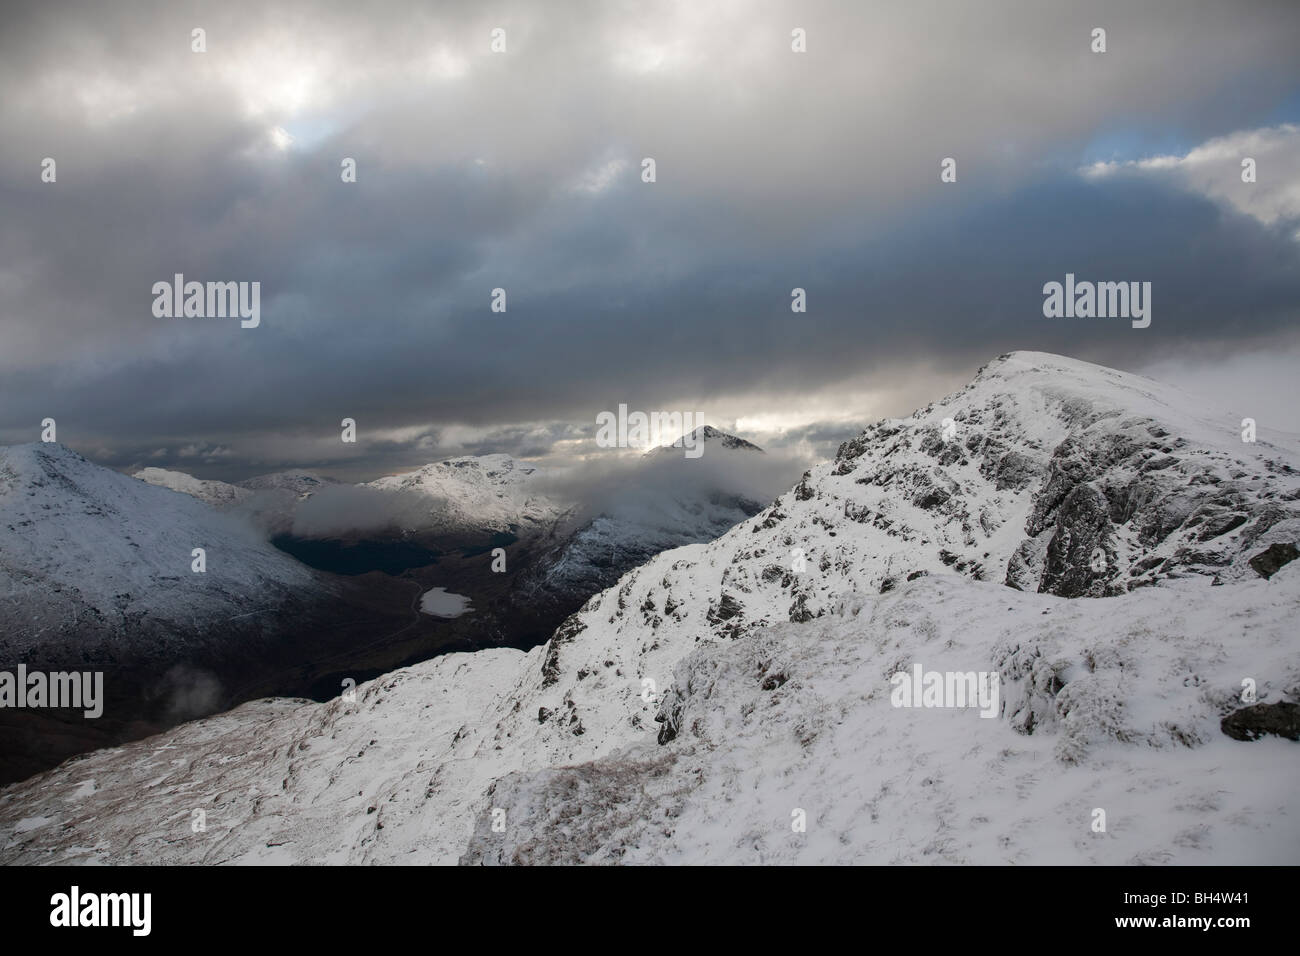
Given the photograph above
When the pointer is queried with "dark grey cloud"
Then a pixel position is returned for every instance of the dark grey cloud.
(521, 171)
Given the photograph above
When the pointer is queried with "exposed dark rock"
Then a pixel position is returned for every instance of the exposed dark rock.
(1082, 527)
(1221, 524)
(1016, 471)
(1160, 463)
(1164, 518)
(1267, 517)
(931, 497)
(567, 631)
(1128, 500)
(669, 717)
(1268, 561)
(1253, 722)
(803, 491)
(725, 610)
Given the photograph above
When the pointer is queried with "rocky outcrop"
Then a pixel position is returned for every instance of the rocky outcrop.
(1280, 718)
(1079, 555)
(1269, 561)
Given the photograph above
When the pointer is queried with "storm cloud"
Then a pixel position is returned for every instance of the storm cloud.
(522, 170)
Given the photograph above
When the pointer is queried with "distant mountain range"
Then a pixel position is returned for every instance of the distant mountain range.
(97, 571)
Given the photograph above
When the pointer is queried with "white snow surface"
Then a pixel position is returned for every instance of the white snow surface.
(218, 493)
(483, 492)
(82, 546)
(776, 683)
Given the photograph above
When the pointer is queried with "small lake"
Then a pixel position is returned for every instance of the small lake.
(442, 603)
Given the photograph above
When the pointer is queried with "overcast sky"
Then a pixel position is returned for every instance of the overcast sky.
(522, 170)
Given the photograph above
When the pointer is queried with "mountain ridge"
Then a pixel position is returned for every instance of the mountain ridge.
(758, 645)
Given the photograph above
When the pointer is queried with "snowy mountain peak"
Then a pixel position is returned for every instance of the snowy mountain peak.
(499, 467)
(1120, 478)
(32, 453)
(485, 492)
(708, 435)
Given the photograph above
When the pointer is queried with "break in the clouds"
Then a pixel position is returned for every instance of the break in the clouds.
(522, 170)
(1214, 169)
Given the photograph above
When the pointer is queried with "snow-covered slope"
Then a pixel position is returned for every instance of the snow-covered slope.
(91, 556)
(295, 484)
(98, 572)
(1124, 698)
(479, 493)
(217, 493)
(896, 553)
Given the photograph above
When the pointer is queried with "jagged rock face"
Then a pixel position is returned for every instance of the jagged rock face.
(1157, 504)
(1046, 474)
(1269, 561)
(1079, 553)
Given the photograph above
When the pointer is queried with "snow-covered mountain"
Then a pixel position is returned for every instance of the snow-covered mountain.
(88, 554)
(217, 493)
(295, 484)
(479, 493)
(98, 571)
(723, 690)
(301, 484)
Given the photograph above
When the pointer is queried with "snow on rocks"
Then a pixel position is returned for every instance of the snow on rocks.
(686, 713)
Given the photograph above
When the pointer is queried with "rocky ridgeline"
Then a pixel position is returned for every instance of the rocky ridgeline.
(1019, 478)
